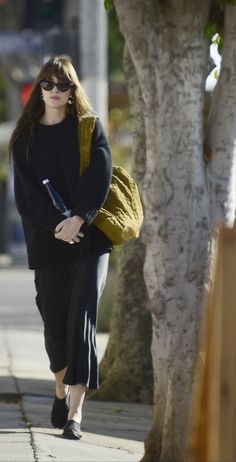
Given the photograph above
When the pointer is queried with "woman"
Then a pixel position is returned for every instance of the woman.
(69, 279)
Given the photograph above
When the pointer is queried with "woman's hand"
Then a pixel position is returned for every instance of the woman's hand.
(68, 230)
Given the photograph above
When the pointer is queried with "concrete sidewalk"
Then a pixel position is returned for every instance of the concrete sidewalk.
(111, 431)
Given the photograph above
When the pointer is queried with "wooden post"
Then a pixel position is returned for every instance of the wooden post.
(213, 436)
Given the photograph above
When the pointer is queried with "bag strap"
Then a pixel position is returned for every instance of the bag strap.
(86, 126)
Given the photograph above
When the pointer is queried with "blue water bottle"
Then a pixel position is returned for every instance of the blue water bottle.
(56, 199)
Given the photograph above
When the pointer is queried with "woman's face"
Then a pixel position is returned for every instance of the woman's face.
(54, 97)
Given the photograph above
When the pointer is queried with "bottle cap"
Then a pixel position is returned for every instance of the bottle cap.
(45, 181)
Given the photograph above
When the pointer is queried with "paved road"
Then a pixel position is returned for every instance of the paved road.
(111, 431)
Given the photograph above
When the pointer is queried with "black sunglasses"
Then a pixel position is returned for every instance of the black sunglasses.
(48, 85)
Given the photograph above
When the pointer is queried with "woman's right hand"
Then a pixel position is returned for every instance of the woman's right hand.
(68, 230)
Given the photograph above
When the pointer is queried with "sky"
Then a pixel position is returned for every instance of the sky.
(211, 80)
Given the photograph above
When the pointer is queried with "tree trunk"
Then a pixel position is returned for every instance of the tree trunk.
(128, 353)
(220, 136)
(166, 44)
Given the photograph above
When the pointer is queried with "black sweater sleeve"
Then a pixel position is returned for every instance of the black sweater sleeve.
(92, 189)
(32, 202)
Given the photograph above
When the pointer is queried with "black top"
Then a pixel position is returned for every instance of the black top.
(54, 154)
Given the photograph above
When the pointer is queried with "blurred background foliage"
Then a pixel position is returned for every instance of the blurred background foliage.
(115, 49)
(120, 142)
(3, 112)
(119, 113)
(3, 108)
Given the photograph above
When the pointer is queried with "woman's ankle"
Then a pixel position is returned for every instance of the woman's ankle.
(77, 395)
(76, 416)
(61, 390)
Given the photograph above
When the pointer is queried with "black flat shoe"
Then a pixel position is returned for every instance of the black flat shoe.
(72, 430)
(60, 411)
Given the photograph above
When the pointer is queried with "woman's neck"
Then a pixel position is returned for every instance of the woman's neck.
(53, 116)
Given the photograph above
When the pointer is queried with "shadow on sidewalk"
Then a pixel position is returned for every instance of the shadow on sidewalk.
(33, 405)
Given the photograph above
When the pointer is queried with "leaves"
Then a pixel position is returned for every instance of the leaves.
(210, 30)
(212, 33)
(219, 42)
(230, 2)
(213, 30)
(216, 74)
(3, 172)
(108, 5)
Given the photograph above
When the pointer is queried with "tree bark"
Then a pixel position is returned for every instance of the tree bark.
(128, 353)
(166, 44)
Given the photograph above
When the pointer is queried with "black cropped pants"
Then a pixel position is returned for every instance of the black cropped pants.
(67, 298)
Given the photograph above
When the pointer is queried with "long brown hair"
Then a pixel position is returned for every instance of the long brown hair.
(64, 71)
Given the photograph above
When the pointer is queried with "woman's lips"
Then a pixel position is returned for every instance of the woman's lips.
(55, 97)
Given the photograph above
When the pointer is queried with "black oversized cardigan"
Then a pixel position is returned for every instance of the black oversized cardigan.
(54, 154)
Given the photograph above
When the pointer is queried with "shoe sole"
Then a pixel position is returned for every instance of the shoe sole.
(71, 436)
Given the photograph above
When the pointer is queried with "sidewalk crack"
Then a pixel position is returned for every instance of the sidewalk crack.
(20, 400)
